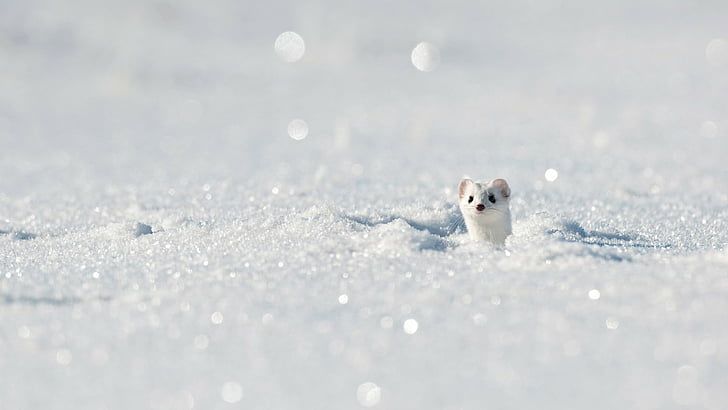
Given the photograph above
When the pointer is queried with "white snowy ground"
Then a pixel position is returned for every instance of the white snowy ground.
(165, 245)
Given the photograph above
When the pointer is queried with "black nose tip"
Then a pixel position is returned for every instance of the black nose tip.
(480, 207)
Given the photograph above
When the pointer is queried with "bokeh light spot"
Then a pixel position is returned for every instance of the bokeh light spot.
(216, 318)
(290, 46)
(594, 294)
(410, 326)
(612, 323)
(425, 57)
(551, 174)
(231, 392)
(297, 129)
(368, 394)
(64, 357)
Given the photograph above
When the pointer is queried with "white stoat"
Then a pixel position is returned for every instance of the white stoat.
(485, 208)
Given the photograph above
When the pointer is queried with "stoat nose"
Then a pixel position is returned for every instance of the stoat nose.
(480, 207)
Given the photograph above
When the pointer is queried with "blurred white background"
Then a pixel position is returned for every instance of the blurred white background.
(194, 214)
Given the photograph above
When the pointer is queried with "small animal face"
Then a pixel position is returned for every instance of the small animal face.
(482, 198)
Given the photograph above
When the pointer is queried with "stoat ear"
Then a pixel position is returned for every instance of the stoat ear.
(503, 186)
(464, 184)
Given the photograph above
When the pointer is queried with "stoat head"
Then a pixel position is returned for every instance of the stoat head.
(483, 198)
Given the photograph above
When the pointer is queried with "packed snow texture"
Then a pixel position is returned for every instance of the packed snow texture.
(165, 244)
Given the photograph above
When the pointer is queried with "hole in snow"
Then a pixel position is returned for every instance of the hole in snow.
(142, 229)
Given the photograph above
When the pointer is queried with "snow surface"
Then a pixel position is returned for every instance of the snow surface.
(164, 243)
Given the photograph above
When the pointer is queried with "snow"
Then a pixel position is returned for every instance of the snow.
(166, 244)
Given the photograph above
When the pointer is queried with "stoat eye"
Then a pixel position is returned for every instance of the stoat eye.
(470, 199)
(491, 198)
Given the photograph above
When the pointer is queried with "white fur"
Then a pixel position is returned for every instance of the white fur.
(493, 223)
